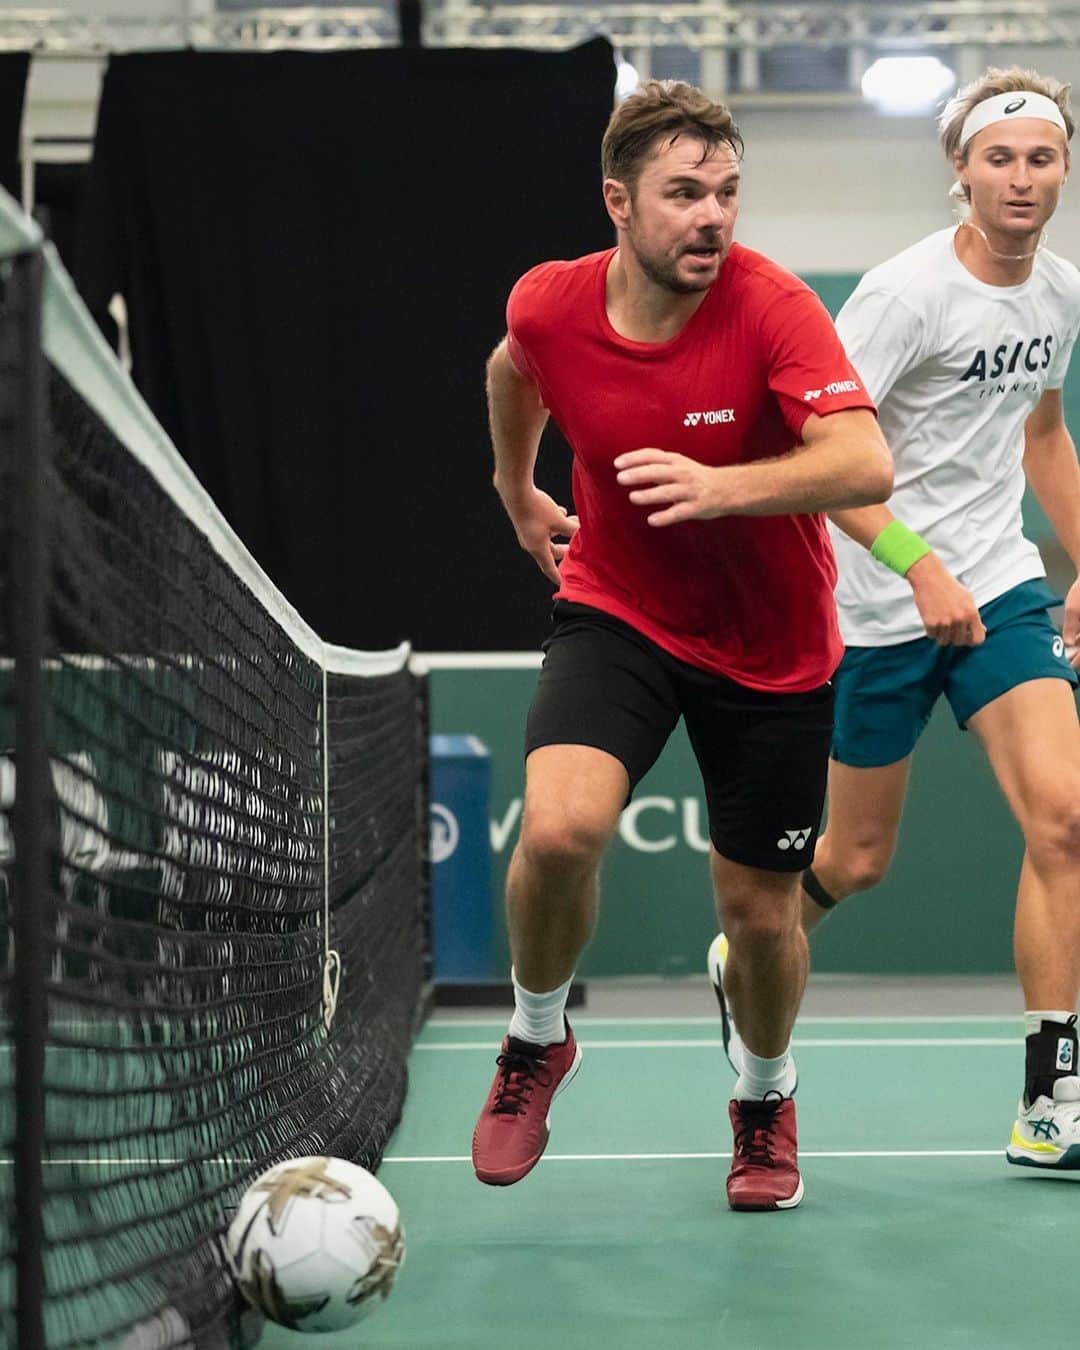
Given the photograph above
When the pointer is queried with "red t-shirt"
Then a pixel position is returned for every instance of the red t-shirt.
(750, 597)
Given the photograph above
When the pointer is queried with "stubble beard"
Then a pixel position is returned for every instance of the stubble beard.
(663, 273)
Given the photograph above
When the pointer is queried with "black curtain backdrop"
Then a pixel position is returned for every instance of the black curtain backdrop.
(14, 67)
(58, 191)
(316, 251)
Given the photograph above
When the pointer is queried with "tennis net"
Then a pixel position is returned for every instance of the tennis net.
(221, 958)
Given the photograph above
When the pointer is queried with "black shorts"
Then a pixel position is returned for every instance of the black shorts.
(763, 757)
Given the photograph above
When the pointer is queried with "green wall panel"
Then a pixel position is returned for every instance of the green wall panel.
(945, 907)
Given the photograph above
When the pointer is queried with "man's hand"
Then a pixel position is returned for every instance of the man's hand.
(688, 490)
(947, 609)
(538, 521)
(1070, 628)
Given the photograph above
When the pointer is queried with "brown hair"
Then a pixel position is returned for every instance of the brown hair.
(1014, 80)
(667, 108)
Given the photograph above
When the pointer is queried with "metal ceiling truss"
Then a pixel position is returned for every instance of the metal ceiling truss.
(872, 26)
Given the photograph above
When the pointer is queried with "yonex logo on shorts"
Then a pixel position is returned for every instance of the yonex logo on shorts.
(1064, 1054)
(710, 418)
(793, 839)
(837, 387)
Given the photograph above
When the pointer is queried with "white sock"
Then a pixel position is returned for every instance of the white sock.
(762, 1076)
(538, 1018)
(1035, 1017)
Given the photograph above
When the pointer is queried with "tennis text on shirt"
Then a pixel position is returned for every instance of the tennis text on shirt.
(956, 367)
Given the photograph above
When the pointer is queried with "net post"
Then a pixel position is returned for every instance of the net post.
(423, 828)
(28, 600)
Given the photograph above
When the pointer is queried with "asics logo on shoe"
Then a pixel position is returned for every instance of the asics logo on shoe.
(793, 839)
(1064, 1054)
(1045, 1128)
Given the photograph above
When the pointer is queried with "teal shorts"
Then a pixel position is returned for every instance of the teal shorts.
(885, 695)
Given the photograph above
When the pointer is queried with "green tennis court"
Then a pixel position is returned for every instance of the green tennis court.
(914, 1231)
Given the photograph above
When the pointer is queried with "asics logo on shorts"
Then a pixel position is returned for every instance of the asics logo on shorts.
(1059, 646)
(793, 839)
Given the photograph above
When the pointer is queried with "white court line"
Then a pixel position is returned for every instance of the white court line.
(585, 1020)
(708, 1043)
(711, 1043)
(810, 1043)
(548, 1157)
(691, 1157)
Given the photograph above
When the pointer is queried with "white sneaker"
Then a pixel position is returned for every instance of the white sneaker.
(1047, 1133)
(716, 960)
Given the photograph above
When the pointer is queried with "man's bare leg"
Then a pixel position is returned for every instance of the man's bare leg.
(854, 853)
(768, 958)
(765, 978)
(1032, 738)
(573, 796)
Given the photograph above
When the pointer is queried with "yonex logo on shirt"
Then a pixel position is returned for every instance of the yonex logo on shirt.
(837, 387)
(793, 839)
(710, 418)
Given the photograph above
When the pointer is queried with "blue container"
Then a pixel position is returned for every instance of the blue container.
(462, 912)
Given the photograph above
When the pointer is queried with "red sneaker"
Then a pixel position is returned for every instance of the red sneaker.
(512, 1131)
(765, 1165)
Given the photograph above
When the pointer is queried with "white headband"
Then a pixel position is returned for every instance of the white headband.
(1004, 107)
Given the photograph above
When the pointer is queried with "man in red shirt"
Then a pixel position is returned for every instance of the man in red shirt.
(713, 416)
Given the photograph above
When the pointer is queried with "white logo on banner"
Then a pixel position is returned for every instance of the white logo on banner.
(648, 825)
(445, 833)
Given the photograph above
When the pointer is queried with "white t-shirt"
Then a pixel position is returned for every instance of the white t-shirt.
(955, 367)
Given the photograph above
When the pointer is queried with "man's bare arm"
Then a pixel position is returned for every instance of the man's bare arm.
(946, 607)
(517, 418)
(1051, 469)
(843, 461)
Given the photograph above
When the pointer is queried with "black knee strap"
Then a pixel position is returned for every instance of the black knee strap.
(816, 891)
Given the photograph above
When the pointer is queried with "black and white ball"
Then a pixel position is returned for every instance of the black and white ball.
(316, 1243)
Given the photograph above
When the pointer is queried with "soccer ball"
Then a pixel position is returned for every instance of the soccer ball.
(316, 1243)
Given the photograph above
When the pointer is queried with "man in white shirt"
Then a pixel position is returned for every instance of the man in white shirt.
(964, 340)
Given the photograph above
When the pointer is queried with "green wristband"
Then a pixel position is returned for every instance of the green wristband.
(899, 548)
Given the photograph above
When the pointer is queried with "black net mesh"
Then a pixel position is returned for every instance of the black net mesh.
(187, 1046)
(11, 376)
